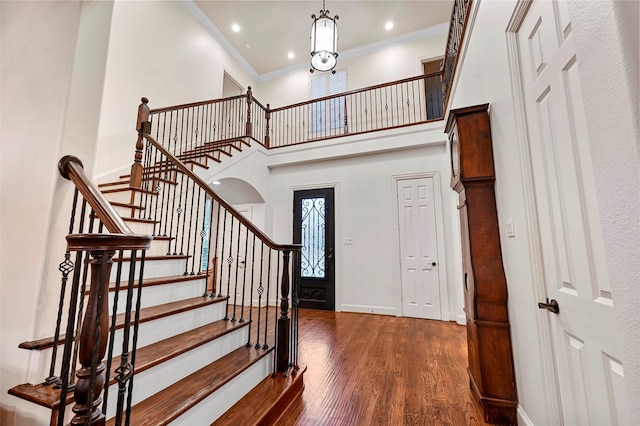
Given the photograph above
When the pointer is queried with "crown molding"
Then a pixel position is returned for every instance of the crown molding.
(363, 50)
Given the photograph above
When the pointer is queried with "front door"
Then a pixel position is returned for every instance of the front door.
(418, 249)
(574, 268)
(313, 227)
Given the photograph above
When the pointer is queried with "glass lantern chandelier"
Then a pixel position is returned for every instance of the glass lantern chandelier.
(324, 41)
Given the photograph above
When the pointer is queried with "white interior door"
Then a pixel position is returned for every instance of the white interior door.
(418, 249)
(590, 376)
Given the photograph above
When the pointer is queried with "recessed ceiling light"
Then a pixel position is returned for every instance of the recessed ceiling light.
(235, 28)
(248, 45)
(388, 25)
(216, 182)
(290, 55)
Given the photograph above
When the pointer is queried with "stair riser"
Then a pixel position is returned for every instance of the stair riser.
(149, 332)
(128, 197)
(220, 401)
(141, 228)
(162, 328)
(152, 269)
(157, 378)
(160, 294)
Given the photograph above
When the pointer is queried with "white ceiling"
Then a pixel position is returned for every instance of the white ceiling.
(274, 28)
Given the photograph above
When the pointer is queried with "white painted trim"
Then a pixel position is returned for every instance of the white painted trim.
(523, 419)
(423, 59)
(369, 309)
(337, 248)
(220, 38)
(440, 247)
(546, 356)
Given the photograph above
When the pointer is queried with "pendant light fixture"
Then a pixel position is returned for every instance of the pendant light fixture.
(324, 41)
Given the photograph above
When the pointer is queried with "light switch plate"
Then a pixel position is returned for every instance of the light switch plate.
(348, 241)
(511, 228)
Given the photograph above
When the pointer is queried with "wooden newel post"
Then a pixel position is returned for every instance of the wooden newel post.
(282, 345)
(93, 337)
(249, 127)
(142, 126)
(267, 116)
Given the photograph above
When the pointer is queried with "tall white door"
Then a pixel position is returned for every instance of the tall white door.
(590, 375)
(418, 249)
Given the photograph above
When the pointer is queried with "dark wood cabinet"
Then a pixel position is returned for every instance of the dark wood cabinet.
(491, 373)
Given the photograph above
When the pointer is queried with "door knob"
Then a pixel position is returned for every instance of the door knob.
(551, 306)
(433, 263)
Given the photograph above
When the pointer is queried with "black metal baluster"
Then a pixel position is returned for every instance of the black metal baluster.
(112, 331)
(66, 370)
(134, 346)
(224, 230)
(215, 253)
(230, 263)
(193, 230)
(183, 189)
(253, 268)
(80, 308)
(260, 292)
(125, 371)
(235, 288)
(266, 303)
(203, 233)
(65, 267)
(244, 274)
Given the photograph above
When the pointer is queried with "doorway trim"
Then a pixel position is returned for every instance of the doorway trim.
(543, 324)
(396, 273)
(337, 250)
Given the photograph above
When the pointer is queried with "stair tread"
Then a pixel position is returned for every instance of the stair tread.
(146, 314)
(146, 357)
(159, 257)
(173, 401)
(126, 205)
(114, 183)
(273, 395)
(139, 220)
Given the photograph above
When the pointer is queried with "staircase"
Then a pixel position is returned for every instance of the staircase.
(208, 332)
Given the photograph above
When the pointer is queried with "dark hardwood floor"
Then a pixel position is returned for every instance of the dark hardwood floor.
(367, 369)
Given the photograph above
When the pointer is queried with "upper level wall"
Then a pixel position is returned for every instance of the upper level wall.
(158, 50)
(362, 169)
(393, 62)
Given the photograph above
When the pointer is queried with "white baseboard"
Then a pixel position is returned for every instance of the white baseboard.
(523, 419)
(368, 309)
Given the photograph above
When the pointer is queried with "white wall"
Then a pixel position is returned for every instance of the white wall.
(390, 63)
(483, 76)
(158, 50)
(38, 47)
(361, 169)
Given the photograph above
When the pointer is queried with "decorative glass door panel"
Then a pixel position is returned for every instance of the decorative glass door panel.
(313, 227)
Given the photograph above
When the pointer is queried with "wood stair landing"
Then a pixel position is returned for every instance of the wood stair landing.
(170, 403)
(273, 394)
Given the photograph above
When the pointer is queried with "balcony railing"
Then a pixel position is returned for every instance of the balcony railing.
(191, 130)
(457, 27)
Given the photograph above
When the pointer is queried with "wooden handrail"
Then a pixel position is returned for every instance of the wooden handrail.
(194, 104)
(71, 168)
(352, 92)
(250, 226)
